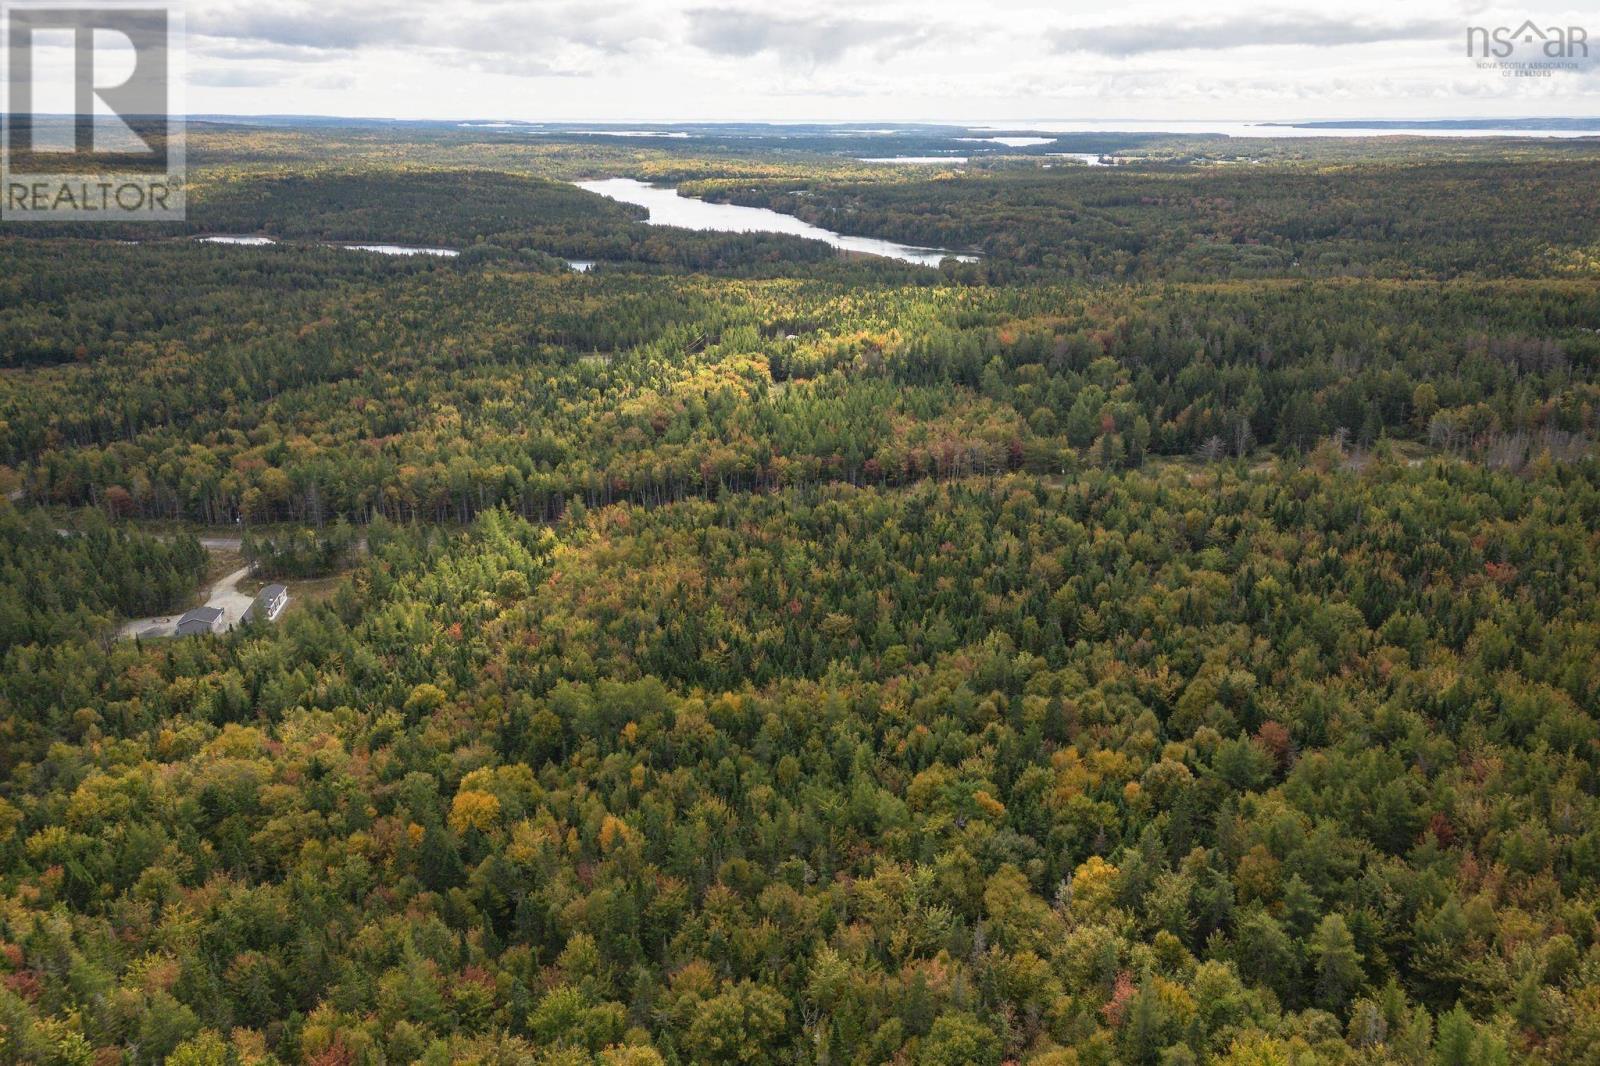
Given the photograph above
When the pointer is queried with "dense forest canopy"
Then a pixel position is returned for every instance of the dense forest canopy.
(431, 390)
(62, 584)
(1485, 218)
(1172, 639)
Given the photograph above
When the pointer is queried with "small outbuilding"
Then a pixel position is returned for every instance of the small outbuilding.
(199, 621)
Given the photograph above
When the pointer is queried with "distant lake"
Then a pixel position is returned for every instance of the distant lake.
(670, 208)
(1012, 142)
(1185, 127)
(256, 241)
(916, 160)
(401, 249)
(539, 128)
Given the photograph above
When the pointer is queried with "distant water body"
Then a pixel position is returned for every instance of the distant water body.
(1278, 130)
(256, 241)
(668, 207)
(401, 249)
(916, 160)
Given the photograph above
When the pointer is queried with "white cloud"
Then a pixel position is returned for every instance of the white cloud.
(812, 40)
(1274, 30)
(664, 60)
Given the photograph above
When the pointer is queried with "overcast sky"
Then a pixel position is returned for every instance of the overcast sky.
(972, 60)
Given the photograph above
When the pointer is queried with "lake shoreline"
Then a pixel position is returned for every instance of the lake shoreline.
(669, 207)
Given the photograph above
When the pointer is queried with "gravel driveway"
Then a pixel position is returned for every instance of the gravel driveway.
(224, 594)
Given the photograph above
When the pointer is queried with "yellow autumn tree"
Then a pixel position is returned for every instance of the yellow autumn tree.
(473, 809)
(1093, 887)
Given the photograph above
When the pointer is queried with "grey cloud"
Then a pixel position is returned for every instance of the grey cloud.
(304, 28)
(518, 65)
(228, 50)
(736, 32)
(513, 38)
(234, 77)
(518, 33)
(332, 82)
(1243, 32)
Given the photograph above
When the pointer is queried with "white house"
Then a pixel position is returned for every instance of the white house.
(269, 604)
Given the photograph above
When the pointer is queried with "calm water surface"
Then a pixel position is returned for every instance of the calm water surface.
(1267, 129)
(915, 160)
(256, 241)
(669, 208)
(401, 249)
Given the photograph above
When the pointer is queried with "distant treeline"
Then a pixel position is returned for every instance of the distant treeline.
(1480, 218)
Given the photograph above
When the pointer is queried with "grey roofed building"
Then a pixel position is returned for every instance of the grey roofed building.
(268, 604)
(200, 620)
